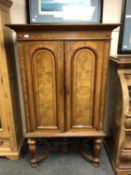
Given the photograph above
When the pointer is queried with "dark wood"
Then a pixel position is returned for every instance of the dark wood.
(63, 27)
(95, 156)
(32, 147)
(118, 114)
(64, 145)
(64, 72)
(97, 151)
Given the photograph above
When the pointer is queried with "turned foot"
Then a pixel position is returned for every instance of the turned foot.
(32, 147)
(92, 157)
(97, 150)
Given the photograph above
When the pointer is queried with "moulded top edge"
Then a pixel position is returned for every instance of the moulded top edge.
(63, 27)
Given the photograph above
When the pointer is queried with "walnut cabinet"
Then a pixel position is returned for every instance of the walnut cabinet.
(10, 116)
(64, 72)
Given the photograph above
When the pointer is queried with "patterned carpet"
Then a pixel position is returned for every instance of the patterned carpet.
(57, 163)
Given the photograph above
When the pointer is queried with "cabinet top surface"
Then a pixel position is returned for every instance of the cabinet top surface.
(62, 27)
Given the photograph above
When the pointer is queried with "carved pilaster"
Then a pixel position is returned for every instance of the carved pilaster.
(125, 153)
(97, 150)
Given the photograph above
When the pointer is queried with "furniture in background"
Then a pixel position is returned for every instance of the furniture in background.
(64, 72)
(118, 114)
(10, 122)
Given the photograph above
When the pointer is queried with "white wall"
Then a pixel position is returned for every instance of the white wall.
(18, 12)
(111, 14)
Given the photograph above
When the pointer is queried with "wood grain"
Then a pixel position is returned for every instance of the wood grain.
(83, 73)
(43, 72)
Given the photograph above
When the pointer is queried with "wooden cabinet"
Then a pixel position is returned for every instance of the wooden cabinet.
(118, 114)
(63, 72)
(10, 122)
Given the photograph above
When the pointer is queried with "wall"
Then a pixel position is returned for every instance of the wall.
(111, 14)
(18, 11)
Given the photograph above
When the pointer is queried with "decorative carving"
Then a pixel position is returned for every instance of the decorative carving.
(83, 74)
(125, 153)
(43, 70)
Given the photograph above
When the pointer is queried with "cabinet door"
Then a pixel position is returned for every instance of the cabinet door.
(83, 84)
(44, 69)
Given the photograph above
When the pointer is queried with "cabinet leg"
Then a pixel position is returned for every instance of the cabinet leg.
(97, 150)
(32, 148)
(65, 145)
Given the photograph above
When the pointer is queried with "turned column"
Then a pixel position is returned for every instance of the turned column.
(32, 148)
(97, 150)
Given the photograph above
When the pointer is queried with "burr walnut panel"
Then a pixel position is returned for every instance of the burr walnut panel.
(83, 77)
(43, 71)
(83, 64)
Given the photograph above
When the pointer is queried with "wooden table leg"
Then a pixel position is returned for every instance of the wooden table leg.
(97, 150)
(32, 147)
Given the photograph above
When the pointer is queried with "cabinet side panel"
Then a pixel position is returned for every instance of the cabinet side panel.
(113, 112)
